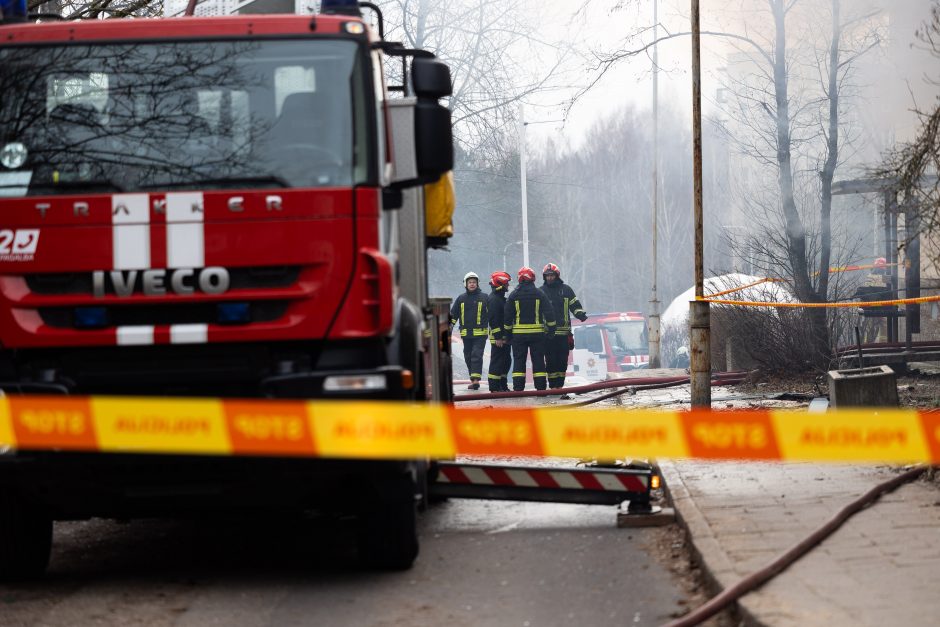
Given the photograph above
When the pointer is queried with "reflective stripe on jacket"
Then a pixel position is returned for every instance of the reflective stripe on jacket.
(528, 311)
(470, 311)
(496, 304)
(564, 303)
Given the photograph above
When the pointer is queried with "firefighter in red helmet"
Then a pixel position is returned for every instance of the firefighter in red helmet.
(528, 316)
(500, 351)
(565, 304)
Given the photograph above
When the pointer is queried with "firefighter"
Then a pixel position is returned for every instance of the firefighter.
(564, 305)
(500, 351)
(470, 311)
(529, 318)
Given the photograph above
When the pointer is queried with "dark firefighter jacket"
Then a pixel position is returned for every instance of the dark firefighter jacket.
(528, 310)
(496, 304)
(564, 304)
(470, 311)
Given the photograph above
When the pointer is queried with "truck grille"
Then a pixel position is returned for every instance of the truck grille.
(189, 313)
(261, 277)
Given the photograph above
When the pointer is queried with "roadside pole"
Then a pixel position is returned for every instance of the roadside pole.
(654, 349)
(525, 196)
(699, 324)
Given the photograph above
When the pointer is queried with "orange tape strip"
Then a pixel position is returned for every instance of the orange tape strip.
(744, 287)
(874, 303)
(833, 270)
(389, 430)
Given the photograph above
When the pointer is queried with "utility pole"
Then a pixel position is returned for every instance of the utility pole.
(699, 324)
(653, 334)
(525, 198)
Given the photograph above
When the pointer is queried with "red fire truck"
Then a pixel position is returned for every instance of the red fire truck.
(224, 206)
(618, 338)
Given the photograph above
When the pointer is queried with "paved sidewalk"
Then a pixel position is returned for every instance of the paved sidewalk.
(881, 568)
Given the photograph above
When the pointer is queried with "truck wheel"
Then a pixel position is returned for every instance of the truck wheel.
(25, 538)
(434, 471)
(387, 533)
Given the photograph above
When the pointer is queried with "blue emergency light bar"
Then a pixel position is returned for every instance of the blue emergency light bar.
(12, 11)
(340, 7)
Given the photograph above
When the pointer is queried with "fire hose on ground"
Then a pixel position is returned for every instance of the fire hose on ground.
(636, 388)
(778, 565)
(718, 378)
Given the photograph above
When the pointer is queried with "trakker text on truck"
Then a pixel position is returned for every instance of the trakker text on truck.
(234, 206)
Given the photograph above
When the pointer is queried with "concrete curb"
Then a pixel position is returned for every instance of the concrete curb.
(711, 558)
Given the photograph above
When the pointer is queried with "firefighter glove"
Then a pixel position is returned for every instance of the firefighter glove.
(582, 317)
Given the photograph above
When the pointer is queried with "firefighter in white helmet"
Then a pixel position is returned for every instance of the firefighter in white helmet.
(470, 311)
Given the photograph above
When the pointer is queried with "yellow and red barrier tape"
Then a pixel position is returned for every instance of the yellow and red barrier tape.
(374, 430)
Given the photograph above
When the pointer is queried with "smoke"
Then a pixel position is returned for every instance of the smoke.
(590, 195)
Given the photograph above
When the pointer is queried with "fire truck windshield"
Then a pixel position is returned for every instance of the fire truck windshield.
(222, 114)
(627, 336)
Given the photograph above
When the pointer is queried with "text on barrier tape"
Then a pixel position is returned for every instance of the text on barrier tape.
(374, 430)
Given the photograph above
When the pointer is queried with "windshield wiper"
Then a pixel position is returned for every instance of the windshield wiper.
(104, 184)
(231, 181)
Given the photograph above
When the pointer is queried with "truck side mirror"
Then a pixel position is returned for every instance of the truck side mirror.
(434, 139)
(431, 79)
(422, 136)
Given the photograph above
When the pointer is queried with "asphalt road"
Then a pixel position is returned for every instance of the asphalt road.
(481, 563)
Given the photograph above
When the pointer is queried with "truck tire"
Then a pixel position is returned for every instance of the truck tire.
(387, 534)
(25, 538)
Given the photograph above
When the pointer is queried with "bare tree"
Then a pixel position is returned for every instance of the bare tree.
(96, 9)
(490, 46)
(590, 208)
(789, 88)
(796, 127)
(915, 165)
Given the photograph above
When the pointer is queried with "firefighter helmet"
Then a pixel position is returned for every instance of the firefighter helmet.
(551, 268)
(526, 274)
(500, 278)
(470, 275)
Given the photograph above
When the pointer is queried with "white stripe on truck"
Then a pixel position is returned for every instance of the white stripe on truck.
(130, 232)
(135, 335)
(189, 333)
(185, 233)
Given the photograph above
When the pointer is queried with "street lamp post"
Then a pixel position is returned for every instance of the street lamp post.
(654, 296)
(522, 178)
(525, 195)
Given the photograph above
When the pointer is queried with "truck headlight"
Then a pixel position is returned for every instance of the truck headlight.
(355, 383)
